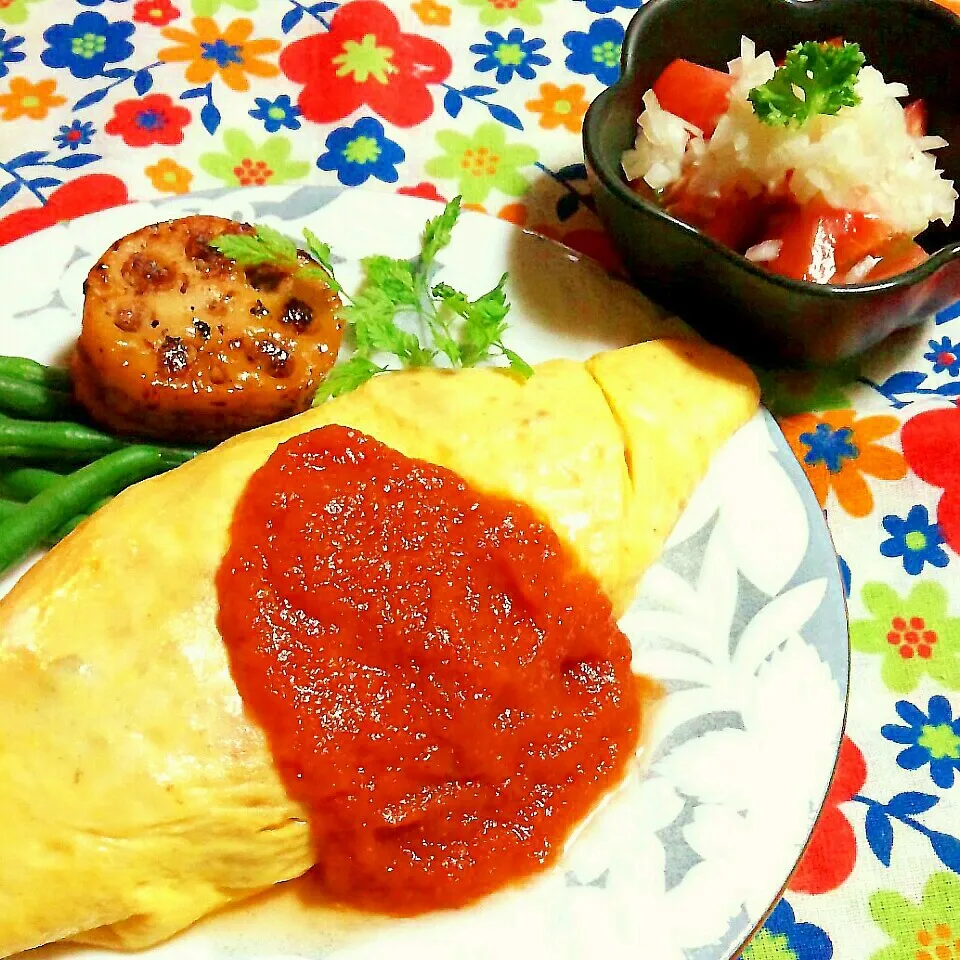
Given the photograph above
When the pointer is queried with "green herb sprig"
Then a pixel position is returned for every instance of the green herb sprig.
(266, 245)
(815, 79)
(466, 332)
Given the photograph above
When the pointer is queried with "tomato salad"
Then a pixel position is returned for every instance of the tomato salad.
(811, 168)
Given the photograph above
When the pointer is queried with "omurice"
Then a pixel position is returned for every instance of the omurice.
(195, 683)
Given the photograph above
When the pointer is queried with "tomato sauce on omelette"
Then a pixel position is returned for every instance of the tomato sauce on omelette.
(443, 688)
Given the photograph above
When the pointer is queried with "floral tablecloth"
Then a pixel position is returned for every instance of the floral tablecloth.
(107, 100)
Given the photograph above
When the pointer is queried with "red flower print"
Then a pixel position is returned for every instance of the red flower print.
(832, 850)
(96, 191)
(365, 59)
(157, 12)
(424, 189)
(150, 120)
(931, 442)
(596, 245)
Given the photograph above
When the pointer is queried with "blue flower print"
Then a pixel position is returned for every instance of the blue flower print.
(9, 52)
(510, 55)
(829, 446)
(846, 577)
(87, 45)
(782, 937)
(360, 152)
(78, 134)
(915, 539)
(608, 6)
(223, 54)
(930, 738)
(276, 113)
(944, 356)
(596, 52)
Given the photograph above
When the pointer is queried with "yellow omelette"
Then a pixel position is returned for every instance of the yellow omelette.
(136, 795)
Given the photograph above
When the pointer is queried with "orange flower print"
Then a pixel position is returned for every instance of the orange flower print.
(560, 106)
(838, 451)
(514, 213)
(26, 99)
(431, 13)
(168, 176)
(230, 53)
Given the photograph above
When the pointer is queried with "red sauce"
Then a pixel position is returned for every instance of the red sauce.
(442, 687)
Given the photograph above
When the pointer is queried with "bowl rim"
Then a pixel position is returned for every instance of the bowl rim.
(613, 179)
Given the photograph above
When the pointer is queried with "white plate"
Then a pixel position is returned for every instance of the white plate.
(742, 619)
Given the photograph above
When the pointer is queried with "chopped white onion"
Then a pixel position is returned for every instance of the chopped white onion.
(661, 145)
(764, 252)
(858, 273)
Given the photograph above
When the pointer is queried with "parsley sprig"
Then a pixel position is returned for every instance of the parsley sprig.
(816, 78)
(465, 332)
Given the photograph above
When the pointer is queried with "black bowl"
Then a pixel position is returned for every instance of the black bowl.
(732, 301)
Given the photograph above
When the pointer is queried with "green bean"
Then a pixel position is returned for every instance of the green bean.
(71, 459)
(75, 522)
(56, 437)
(174, 456)
(8, 508)
(33, 400)
(57, 378)
(48, 511)
(40, 456)
(64, 530)
(24, 483)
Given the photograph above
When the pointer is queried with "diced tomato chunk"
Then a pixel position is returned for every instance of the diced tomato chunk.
(734, 219)
(697, 94)
(897, 256)
(643, 189)
(915, 115)
(820, 242)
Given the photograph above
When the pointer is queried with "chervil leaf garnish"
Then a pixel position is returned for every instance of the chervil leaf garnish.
(815, 79)
(397, 299)
(484, 323)
(394, 302)
(372, 316)
(437, 233)
(347, 376)
(319, 250)
(395, 278)
(517, 363)
(248, 250)
(267, 245)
